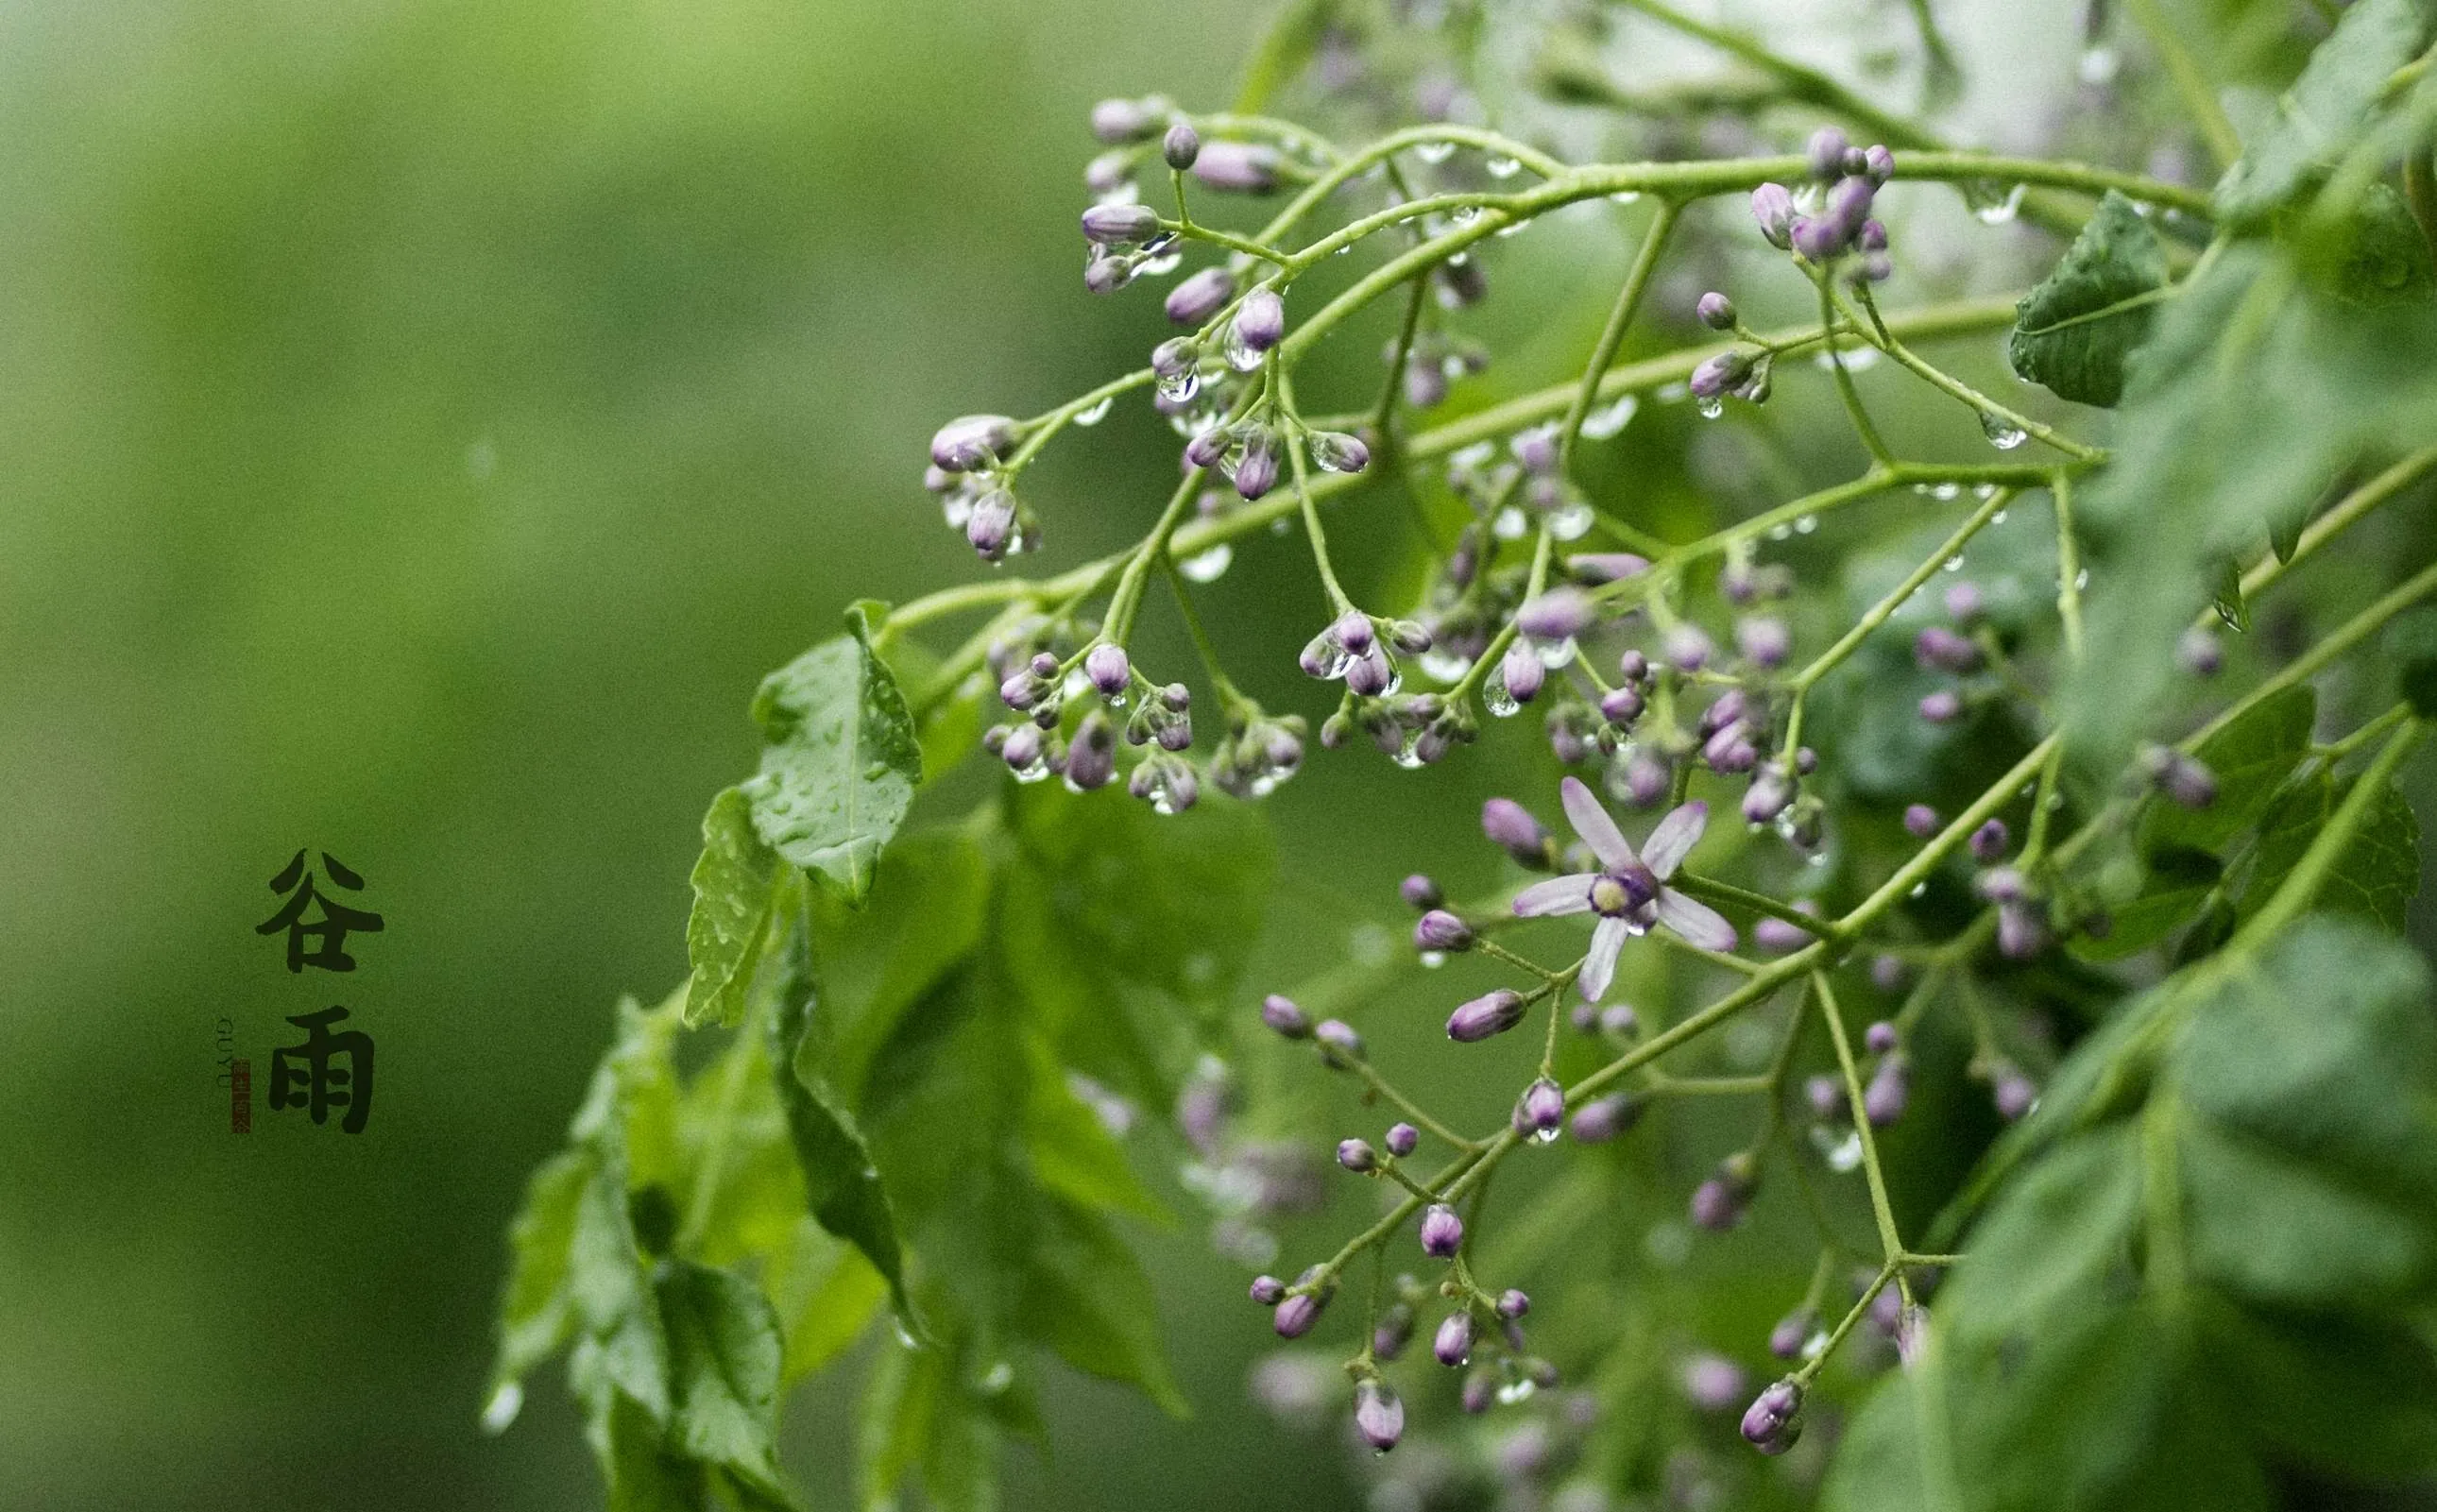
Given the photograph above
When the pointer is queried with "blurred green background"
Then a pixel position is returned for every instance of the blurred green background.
(426, 422)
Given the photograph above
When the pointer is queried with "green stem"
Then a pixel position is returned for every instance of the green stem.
(1882, 1211)
(1879, 612)
(2330, 646)
(2068, 566)
(1620, 319)
(2346, 512)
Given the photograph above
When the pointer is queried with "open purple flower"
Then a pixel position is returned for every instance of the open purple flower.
(1628, 892)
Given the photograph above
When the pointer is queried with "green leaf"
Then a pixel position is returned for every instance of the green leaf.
(535, 1319)
(950, 730)
(611, 1295)
(2375, 877)
(2328, 107)
(2307, 1131)
(643, 1475)
(926, 915)
(824, 1291)
(919, 1423)
(1088, 1299)
(840, 1181)
(732, 886)
(2410, 644)
(2255, 391)
(2250, 759)
(2074, 332)
(743, 1192)
(839, 762)
(2052, 1240)
(1073, 1152)
(724, 1360)
(2343, 1396)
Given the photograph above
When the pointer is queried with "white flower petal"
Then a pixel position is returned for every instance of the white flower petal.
(1673, 839)
(1558, 895)
(1592, 823)
(1698, 923)
(1599, 966)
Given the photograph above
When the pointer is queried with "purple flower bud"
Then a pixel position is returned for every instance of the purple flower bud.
(1920, 819)
(1603, 1118)
(1462, 283)
(1281, 1014)
(1109, 668)
(1196, 299)
(1779, 937)
(1596, 567)
(1369, 673)
(1726, 708)
(1513, 1304)
(2022, 934)
(1825, 1094)
(2187, 783)
(1772, 206)
(1718, 1203)
(1377, 1413)
(1115, 121)
(1337, 1038)
(1559, 614)
(1938, 649)
(1480, 1390)
(1420, 892)
(1687, 648)
(1269, 1291)
(1296, 1314)
(2200, 653)
(1426, 384)
(970, 442)
(1713, 1382)
(1963, 602)
(1354, 631)
(1394, 1332)
(1092, 761)
(1715, 311)
(1719, 374)
(1889, 972)
(1619, 1020)
(1818, 237)
(1510, 825)
(1826, 153)
(1442, 1231)
(1767, 798)
(1521, 673)
(1438, 929)
(1848, 206)
(1403, 1139)
(2003, 884)
(1890, 1089)
(1236, 168)
(1764, 641)
(1358, 1156)
(1541, 1110)
(1730, 750)
(1621, 705)
(1452, 1345)
(1493, 1013)
(1785, 1340)
(1208, 448)
(1989, 843)
(1941, 707)
(1261, 319)
(1773, 1420)
(1106, 174)
(990, 528)
(1645, 780)
(2013, 1093)
(1881, 1037)
(1872, 237)
(1335, 451)
(1021, 750)
(1175, 356)
(1856, 162)
(1181, 146)
(1256, 471)
(1115, 225)
(1879, 163)
(1584, 1017)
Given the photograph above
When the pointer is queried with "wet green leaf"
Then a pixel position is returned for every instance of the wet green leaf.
(839, 762)
(2075, 331)
(732, 885)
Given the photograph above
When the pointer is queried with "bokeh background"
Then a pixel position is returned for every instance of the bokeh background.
(425, 422)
